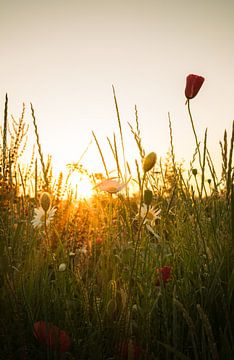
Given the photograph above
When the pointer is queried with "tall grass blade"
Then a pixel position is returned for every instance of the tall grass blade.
(101, 154)
(4, 149)
(230, 166)
(40, 150)
(120, 131)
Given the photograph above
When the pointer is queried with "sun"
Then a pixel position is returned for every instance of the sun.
(81, 185)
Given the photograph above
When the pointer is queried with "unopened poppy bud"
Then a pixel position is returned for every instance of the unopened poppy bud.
(194, 172)
(193, 85)
(45, 201)
(148, 197)
(149, 161)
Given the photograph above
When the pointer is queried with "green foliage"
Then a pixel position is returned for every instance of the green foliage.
(110, 292)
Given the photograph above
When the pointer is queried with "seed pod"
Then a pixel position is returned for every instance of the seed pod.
(45, 201)
(149, 161)
(148, 197)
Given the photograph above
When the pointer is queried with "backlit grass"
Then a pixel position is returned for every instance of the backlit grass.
(125, 274)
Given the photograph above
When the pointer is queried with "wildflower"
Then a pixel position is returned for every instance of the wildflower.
(45, 201)
(193, 85)
(42, 217)
(111, 186)
(72, 254)
(149, 161)
(62, 267)
(99, 240)
(128, 350)
(149, 213)
(51, 336)
(163, 274)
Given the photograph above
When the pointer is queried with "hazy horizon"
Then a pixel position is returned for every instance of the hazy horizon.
(64, 57)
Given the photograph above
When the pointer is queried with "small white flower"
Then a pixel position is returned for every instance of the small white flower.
(72, 254)
(150, 214)
(111, 186)
(62, 267)
(39, 217)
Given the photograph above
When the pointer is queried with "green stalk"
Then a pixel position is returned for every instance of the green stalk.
(229, 174)
(135, 257)
(39, 149)
(121, 134)
(5, 139)
(195, 134)
(232, 208)
(203, 164)
(100, 152)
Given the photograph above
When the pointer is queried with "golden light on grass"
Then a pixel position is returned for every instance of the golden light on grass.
(81, 185)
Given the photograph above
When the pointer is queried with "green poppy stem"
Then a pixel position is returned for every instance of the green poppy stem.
(194, 132)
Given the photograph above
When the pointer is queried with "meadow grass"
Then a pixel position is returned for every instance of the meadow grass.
(135, 284)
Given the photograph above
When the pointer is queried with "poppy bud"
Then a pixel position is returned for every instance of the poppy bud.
(193, 85)
(45, 201)
(149, 161)
(194, 172)
(148, 197)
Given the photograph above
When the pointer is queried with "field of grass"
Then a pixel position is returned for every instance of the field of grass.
(143, 276)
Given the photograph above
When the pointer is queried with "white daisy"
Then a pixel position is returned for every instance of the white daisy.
(150, 214)
(39, 217)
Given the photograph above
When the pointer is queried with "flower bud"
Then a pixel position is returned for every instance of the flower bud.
(194, 172)
(193, 85)
(149, 161)
(62, 267)
(45, 201)
(148, 197)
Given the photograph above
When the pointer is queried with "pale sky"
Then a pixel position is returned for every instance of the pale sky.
(64, 56)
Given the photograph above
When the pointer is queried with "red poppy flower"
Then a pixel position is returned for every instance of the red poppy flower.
(128, 349)
(50, 335)
(193, 85)
(99, 240)
(163, 274)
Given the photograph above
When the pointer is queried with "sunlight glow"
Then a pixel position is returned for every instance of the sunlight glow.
(81, 185)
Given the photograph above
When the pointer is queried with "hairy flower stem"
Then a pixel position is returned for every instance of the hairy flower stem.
(195, 134)
(46, 232)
